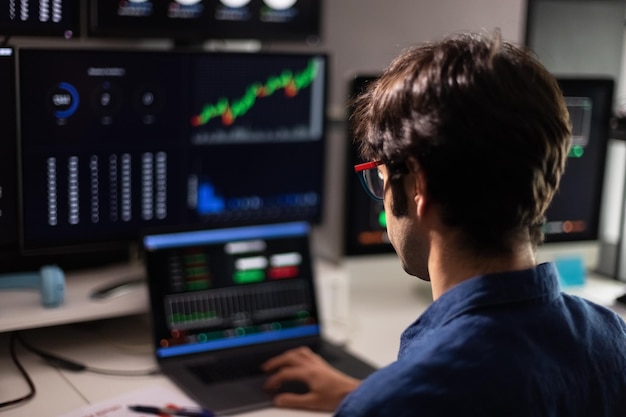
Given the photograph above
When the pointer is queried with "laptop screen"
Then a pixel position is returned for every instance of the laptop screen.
(223, 288)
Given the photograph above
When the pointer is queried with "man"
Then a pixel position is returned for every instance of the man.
(468, 138)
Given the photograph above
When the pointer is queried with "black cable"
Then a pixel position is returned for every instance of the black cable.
(5, 42)
(29, 381)
(71, 365)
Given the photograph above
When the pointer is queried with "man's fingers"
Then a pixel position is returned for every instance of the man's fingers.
(274, 381)
(277, 362)
(289, 358)
(302, 401)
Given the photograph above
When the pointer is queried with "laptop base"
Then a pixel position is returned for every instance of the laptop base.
(246, 393)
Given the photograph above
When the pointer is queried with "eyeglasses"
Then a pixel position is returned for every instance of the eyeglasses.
(371, 179)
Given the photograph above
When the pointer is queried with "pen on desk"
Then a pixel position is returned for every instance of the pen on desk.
(186, 412)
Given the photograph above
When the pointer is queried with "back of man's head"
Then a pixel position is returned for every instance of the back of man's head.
(486, 123)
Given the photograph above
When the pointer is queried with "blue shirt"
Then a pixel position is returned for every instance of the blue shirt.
(507, 344)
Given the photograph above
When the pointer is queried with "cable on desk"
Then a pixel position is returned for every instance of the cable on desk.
(29, 381)
(71, 365)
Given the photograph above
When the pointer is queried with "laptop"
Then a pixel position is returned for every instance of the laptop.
(223, 300)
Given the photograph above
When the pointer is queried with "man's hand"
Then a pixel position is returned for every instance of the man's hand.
(327, 386)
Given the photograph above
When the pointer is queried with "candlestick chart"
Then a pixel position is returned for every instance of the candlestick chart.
(228, 110)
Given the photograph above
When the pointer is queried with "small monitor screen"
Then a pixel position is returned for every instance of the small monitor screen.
(227, 288)
(574, 213)
(365, 225)
(113, 142)
(290, 20)
(57, 18)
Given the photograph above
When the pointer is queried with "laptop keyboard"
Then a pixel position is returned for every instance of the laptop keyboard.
(226, 370)
(231, 371)
(239, 367)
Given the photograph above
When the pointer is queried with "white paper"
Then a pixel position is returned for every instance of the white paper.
(156, 396)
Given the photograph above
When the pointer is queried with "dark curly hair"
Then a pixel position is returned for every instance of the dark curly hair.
(487, 124)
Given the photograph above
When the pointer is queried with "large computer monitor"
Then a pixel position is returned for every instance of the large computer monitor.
(197, 20)
(115, 142)
(574, 214)
(50, 18)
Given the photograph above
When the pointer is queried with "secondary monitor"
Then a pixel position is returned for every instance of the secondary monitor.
(365, 228)
(117, 141)
(574, 214)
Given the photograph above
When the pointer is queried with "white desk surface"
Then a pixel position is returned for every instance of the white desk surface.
(366, 304)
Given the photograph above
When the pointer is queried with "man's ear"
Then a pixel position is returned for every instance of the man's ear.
(419, 182)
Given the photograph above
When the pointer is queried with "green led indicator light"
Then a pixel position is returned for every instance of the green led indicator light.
(382, 219)
(576, 151)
